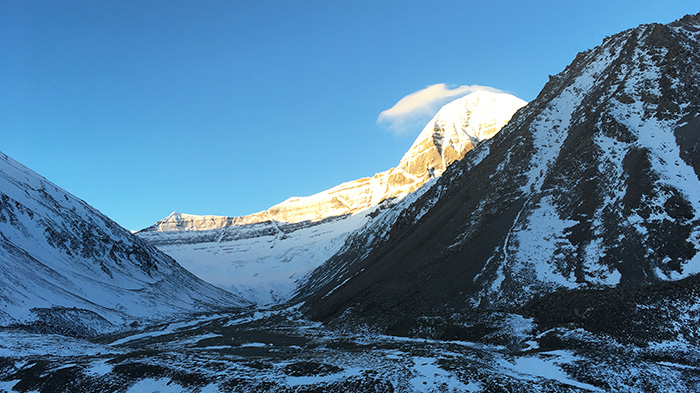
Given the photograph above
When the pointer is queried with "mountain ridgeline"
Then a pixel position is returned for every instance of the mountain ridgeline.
(66, 268)
(584, 209)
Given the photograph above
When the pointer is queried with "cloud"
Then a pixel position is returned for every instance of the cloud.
(416, 109)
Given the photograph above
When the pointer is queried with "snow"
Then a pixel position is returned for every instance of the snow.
(20, 344)
(152, 385)
(253, 345)
(211, 388)
(657, 137)
(468, 120)
(139, 336)
(536, 244)
(169, 328)
(409, 364)
(267, 266)
(100, 368)
(546, 366)
(676, 365)
(551, 127)
(6, 386)
(539, 241)
(537, 238)
(611, 166)
(265, 269)
(337, 286)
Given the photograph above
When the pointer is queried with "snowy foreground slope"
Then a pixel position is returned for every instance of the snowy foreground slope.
(63, 265)
(587, 203)
(263, 256)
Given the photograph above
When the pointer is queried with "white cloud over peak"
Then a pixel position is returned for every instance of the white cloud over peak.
(416, 109)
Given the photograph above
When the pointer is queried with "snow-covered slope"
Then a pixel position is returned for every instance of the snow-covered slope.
(260, 262)
(595, 184)
(261, 256)
(63, 265)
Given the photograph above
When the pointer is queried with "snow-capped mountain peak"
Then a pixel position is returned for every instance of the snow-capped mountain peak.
(459, 126)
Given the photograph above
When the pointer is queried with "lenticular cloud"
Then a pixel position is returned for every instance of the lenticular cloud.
(412, 111)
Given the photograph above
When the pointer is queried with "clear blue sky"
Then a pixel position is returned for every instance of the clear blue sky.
(228, 107)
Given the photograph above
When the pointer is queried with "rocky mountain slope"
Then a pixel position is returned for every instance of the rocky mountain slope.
(262, 256)
(65, 267)
(583, 211)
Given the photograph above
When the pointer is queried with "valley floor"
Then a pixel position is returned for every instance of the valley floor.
(278, 351)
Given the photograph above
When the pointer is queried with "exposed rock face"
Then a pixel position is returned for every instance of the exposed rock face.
(592, 185)
(66, 268)
(262, 255)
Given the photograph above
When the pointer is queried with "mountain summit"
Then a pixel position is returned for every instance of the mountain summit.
(262, 255)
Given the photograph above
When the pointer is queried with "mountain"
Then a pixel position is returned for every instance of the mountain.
(67, 268)
(262, 256)
(559, 256)
(584, 211)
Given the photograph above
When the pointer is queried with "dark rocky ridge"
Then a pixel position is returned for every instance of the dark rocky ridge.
(623, 214)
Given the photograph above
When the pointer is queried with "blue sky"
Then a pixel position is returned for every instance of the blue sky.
(228, 107)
